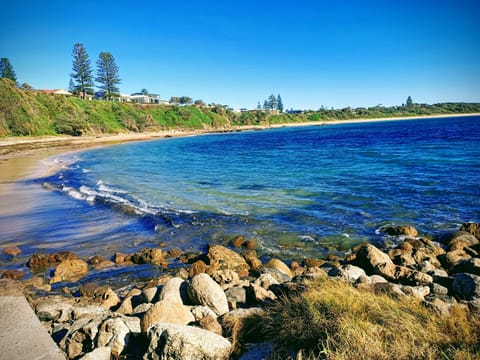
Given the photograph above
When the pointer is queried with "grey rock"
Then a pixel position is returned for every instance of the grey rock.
(349, 273)
(142, 308)
(56, 311)
(237, 295)
(266, 280)
(466, 286)
(199, 312)
(203, 290)
(114, 333)
(172, 342)
(89, 312)
(418, 291)
(438, 289)
(80, 339)
(101, 353)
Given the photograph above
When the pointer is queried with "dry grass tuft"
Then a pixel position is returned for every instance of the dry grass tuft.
(333, 320)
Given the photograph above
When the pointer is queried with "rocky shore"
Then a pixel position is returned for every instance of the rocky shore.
(192, 311)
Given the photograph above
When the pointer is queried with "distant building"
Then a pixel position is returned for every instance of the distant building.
(56, 92)
(142, 98)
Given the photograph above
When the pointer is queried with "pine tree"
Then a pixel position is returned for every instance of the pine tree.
(265, 105)
(82, 71)
(279, 103)
(272, 102)
(259, 107)
(6, 70)
(107, 74)
(409, 101)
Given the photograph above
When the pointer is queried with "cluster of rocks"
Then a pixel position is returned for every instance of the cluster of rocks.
(188, 312)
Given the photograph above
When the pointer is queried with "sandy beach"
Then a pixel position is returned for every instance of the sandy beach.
(20, 157)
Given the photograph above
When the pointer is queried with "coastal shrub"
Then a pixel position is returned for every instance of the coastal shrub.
(334, 320)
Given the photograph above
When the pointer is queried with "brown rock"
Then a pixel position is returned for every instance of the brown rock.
(150, 256)
(406, 246)
(454, 257)
(250, 244)
(120, 258)
(61, 256)
(70, 270)
(251, 258)
(369, 258)
(12, 250)
(427, 254)
(174, 253)
(222, 258)
(13, 274)
(103, 264)
(167, 312)
(309, 262)
(467, 237)
(472, 228)
(210, 323)
(280, 266)
(38, 283)
(401, 230)
(95, 260)
(197, 267)
(238, 241)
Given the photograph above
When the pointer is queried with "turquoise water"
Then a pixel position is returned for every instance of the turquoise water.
(303, 191)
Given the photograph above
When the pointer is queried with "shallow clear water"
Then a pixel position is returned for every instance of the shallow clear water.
(300, 191)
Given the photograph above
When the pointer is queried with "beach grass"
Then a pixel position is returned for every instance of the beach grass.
(334, 320)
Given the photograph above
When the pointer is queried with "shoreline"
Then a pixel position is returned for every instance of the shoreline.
(21, 158)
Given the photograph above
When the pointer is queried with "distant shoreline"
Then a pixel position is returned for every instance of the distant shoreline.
(21, 157)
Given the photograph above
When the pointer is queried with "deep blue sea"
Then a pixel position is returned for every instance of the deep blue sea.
(300, 191)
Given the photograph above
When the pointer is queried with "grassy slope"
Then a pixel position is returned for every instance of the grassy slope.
(31, 113)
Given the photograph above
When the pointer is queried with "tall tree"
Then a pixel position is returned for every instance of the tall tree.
(259, 107)
(279, 103)
(265, 105)
(272, 102)
(82, 71)
(6, 70)
(107, 74)
(409, 101)
(144, 91)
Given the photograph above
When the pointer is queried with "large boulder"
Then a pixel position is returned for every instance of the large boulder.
(42, 261)
(172, 291)
(167, 312)
(114, 333)
(54, 310)
(222, 258)
(349, 272)
(70, 270)
(472, 228)
(101, 353)
(465, 238)
(280, 266)
(203, 290)
(466, 286)
(172, 342)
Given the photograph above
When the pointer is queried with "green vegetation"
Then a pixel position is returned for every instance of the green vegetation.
(107, 75)
(81, 78)
(6, 70)
(333, 320)
(25, 112)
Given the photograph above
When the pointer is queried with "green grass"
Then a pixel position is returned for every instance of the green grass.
(32, 113)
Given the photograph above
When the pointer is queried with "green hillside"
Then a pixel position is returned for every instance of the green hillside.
(34, 113)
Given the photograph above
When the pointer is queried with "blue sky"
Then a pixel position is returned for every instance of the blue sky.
(314, 53)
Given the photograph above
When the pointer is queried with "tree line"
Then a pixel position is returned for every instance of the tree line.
(272, 103)
(81, 79)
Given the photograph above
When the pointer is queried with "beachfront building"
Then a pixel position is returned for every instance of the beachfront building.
(56, 92)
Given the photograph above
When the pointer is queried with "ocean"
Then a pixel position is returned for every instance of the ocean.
(299, 191)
